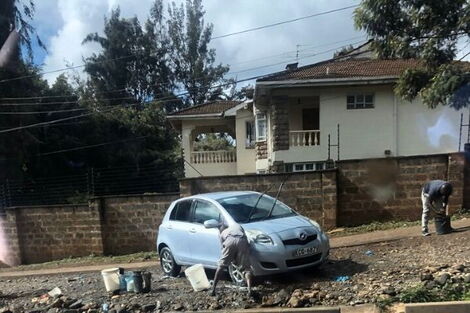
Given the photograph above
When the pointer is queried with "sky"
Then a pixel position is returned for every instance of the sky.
(63, 24)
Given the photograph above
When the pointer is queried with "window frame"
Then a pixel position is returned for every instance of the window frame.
(261, 117)
(315, 166)
(360, 104)
(250, 125)
(194, 207)
(176, 207)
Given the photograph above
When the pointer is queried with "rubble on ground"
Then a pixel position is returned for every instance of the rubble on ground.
(434, 262)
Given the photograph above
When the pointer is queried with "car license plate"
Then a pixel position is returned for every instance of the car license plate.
(305, 251)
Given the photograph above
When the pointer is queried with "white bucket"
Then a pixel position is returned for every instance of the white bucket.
(111, 279)
(197, 277)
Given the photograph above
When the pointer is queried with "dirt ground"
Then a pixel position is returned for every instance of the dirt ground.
(368, 273)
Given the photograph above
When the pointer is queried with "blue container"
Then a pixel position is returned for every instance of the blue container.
(133, 282)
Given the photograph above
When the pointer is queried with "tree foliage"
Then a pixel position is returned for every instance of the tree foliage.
(193, 60)
(139, 75)
(429, 31)
(17, 14)
(343, 51)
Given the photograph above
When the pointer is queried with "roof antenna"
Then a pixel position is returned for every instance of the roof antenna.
(297, 53)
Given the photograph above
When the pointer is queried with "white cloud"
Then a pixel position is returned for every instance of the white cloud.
(80, 17)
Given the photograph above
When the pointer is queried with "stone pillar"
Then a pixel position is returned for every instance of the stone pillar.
(457, 174)
(280, 123)
(329, 198)
(277, 167)
(11, 250)
(261, 150)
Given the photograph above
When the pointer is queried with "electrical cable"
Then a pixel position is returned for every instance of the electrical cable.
(284, 22)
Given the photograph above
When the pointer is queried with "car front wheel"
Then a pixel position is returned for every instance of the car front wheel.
(168, 263)
(236, 275)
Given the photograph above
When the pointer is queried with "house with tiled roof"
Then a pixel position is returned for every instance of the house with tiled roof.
(306, 118)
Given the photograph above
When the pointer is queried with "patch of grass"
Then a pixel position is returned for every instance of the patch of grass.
(374, 226)
(448, 292)
(87, 260)
(420, 294)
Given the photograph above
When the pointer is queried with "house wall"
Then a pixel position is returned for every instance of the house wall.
(189, 131)
(245, 156)
(402, 127)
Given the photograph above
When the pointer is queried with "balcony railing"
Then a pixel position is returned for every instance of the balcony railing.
(300, 138)
(222, 156)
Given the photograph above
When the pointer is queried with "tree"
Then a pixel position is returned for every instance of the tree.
(192, 60)
(131, 74)
(429, 31)
(132, 60)
(19, 14)
(343, 51)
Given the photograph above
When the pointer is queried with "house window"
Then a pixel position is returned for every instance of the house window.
(250, 134)
(360, 101)
(305, 167)
(260, 127)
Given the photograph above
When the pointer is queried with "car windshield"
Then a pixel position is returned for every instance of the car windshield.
(241, 208)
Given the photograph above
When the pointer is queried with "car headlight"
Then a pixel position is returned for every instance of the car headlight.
(315, 224)
(259, 237)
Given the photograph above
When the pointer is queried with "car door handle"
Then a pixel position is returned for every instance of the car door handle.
(192, 230)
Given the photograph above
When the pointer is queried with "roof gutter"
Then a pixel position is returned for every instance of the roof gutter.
(330, 81)
(194, 116)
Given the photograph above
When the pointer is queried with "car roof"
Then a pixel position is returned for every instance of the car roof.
(222, 194)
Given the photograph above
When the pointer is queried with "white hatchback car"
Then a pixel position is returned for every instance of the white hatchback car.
(281, 240)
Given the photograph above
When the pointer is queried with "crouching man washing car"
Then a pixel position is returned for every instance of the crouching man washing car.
(236, 250)
(435, 197)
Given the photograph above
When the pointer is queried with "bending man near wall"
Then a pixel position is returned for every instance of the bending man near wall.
(435, 197)
(236, 250)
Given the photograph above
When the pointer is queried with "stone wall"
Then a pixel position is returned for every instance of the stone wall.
(363, 198)
(357, 192)
(110, 225)
(312, 194)
(55, 232)
(129, 223)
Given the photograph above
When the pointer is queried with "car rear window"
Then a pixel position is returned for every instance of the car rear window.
(181, 211)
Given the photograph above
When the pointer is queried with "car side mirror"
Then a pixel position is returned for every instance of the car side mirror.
(211, 224)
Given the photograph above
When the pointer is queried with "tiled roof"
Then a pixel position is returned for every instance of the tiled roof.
(213, 107)
(346, 68)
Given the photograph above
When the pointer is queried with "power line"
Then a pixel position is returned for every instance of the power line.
(213, 38)
(62, 102)
(92, 146)
(51, 122)
(41, 112)
(59, 70)
(46, 97)
(234, 72)
(153, 100)
(284, 22)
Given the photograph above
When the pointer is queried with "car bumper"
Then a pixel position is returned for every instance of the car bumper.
(268, 260)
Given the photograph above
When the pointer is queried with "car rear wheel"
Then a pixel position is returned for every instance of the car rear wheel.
(237, 276)
(168, 263)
